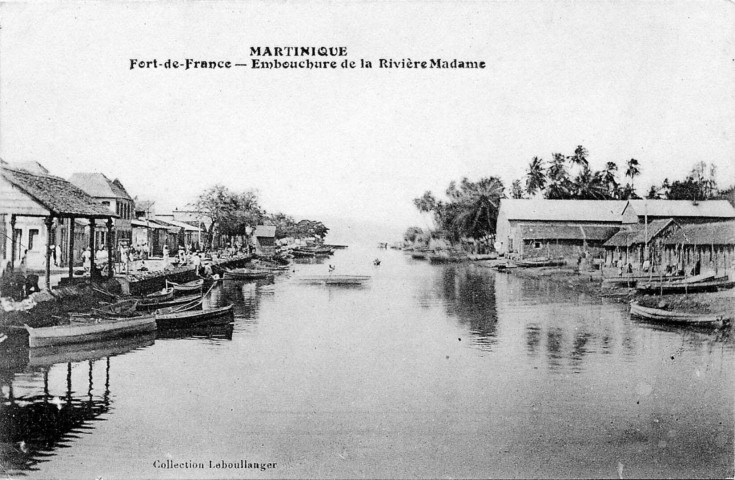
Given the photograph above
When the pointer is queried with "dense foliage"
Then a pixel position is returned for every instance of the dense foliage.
(470, 210)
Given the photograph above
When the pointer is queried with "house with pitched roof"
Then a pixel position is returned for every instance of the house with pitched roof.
(112, 194)
(711, 245)
(264, 238)
(39, 210)
(558, 228)
(630, 244)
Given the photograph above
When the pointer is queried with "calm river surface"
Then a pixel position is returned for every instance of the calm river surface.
(428, 371)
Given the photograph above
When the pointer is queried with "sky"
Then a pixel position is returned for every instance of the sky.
(652, 81)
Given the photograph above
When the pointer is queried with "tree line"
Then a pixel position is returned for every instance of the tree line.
(471, 208)
(237, 213)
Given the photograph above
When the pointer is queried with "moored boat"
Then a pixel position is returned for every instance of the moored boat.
(169, 303)
(92, 330)
(173, 318)
(541, 262)
(446, 257)
(682, 287)
(246, 274)
(187, 287)
(668, 316)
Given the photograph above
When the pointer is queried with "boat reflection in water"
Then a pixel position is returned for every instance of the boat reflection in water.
(35, 418)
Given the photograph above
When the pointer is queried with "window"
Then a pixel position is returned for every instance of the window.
(106, 203)
(536, 245)
(32, 234)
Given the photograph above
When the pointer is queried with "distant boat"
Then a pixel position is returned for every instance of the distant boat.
(667, 316)
(335, 247)
(335, 279)
(92, 330)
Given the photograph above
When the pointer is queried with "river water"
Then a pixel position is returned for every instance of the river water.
(427, 371)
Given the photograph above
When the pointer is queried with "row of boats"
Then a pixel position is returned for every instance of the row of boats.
(172, 308)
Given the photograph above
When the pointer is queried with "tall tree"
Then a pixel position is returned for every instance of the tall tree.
(535, 176)
(558, 177)
(479, 205)
(516, 189)
(633, 170)
(610, 179)
(580, 157)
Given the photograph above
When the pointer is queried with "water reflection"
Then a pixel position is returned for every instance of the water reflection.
(46, 416)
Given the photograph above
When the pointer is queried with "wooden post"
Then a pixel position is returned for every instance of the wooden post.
(92, 271)
(13, 241)
(70, 244)
(110, 263)
(49, 223)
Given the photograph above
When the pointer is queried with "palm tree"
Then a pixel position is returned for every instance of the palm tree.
(632, 171)
(609, 178)
(479, 203)
(516, 189)
(589, 185)
(559, 184)
(580, 157)
(535, 176)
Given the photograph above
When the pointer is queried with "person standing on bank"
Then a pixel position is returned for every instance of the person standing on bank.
(57, 257)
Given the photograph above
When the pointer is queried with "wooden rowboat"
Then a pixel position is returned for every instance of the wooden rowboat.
(48, 356)
(697, 319)
(169, 303)
(173, 318)
(124, 308)
(94, 330)
(246, 274)
(187, 287)
(681, 287)
(335, 279)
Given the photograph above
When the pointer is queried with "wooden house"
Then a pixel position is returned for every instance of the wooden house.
(712, 245)
(635, 243)
(264, 238)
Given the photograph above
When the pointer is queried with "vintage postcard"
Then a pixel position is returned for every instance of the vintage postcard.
(376, 239)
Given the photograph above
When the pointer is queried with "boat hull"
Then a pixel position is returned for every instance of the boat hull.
(335, 279)
(103, 329)
(193, 318)
(676, 288)
(680, 318)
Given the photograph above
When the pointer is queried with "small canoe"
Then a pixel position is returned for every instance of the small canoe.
(335, 279)
(91, 331)
(418, 255)
(445, 257)
(664, 288)
(171, 318)
(187, 287)
(169, 303)
(165, 294)
(697, 319)
(246, 274)
(534, 263)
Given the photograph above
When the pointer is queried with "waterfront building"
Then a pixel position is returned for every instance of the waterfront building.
(558, 228)
(566, 228)
(712, 245)
(39, 210)
(112, 194)
(186, 234)
(630, 244)
(683, 211)
(264, 238)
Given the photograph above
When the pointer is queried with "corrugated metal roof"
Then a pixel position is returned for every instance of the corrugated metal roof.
(57, 195)
(265, 231)
(567, 232)
(98, 185)
(636, 234)
(683, 208)
(563, 210)
(714, 233)
(175, 223)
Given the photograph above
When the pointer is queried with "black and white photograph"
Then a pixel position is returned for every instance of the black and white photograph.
(373, 239)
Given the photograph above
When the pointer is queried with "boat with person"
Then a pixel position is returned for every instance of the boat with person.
(668, 316)
(90, 330)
